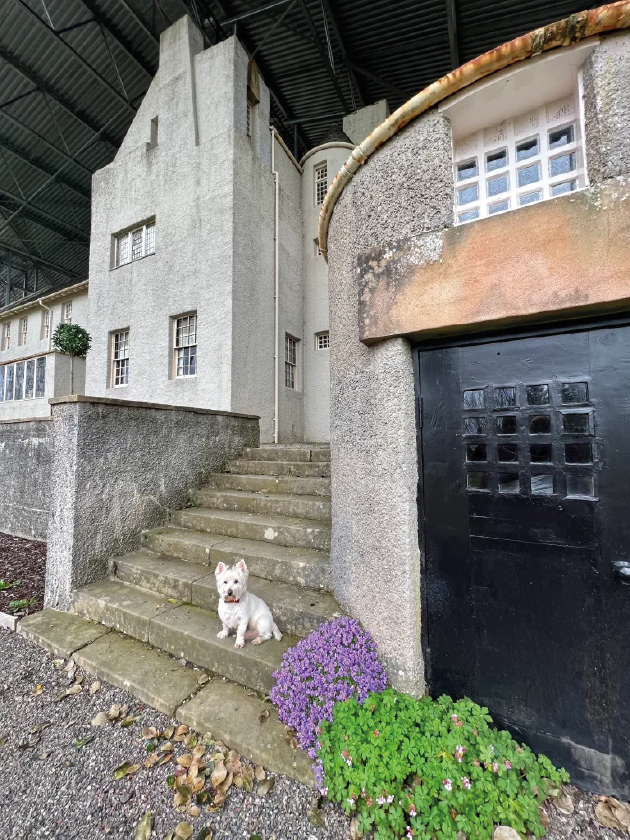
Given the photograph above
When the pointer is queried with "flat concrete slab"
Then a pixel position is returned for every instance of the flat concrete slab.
(191, 632)
(125, 608)
(299, 469)
(267, 504)
(233, 716)
(60, 633)
(271, 484)
(150, 675)
(163, 575)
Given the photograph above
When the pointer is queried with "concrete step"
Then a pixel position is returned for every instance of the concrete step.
(271, 484)
(273, 562)
(279, 530)
(296, 610)
(230, 712)
(298, 469)
(182, 630)
(276, 504)
(286, 453)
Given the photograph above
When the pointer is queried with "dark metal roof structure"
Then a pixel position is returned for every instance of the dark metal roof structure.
(73, 73)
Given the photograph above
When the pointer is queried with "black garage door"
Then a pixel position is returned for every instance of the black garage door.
(525, 456)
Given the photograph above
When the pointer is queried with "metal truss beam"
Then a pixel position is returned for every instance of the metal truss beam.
(353, 79)
(141, 21)
(383, 82)
(68, 107)
(253, 12)
(42, 217)
(39, 260)
(119, 36)
(45, 170)
(322, 52)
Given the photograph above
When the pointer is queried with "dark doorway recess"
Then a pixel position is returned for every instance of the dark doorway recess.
(525, 500)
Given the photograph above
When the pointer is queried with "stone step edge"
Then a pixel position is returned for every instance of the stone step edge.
(92, 650)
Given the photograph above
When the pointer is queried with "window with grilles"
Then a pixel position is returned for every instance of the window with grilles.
(521, 161)
(23, 333)
(185, 362)
(46, 323)
(322, 341)
(135, 244)
(23, 380)
(6, 336)
(120, 359)
(67, 312)
(321, 182)
(290, 361)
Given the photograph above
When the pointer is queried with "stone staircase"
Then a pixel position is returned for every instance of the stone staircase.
(271, 508)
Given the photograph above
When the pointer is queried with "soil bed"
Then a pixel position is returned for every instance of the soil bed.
(24, 561)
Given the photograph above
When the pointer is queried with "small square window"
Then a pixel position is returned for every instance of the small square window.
(496, 186)
(321, 182)
(529, 175)
(561, 137)
(468, 216)
(563, 188)
(542, 485)
(540, 424)
(476, 452)
(322, 341)
(468, 194)
(506, 424)
(527, 149)
(496, 160)
(538, 394)
(509, 483)
(467, 170)
(574, 392)
(578, 453)
(575, 424)
(504, 397)
(562, 165)
(474, 425)
(529, 198)
(507, 452)
(474, 399)
(580, 485)
(477, 480)
(540, 453)
(499, 207)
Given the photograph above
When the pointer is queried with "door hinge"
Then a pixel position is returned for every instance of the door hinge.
(419, 407)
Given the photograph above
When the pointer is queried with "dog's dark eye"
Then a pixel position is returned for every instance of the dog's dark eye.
(225, 582)
(235, 581)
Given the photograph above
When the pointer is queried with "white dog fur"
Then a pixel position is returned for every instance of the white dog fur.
(241, 610)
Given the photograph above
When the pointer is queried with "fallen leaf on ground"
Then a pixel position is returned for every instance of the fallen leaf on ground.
(39, 727)
(81, 742)
(168, 733)
(207, 739)
(218, 774)
(182, 795)
(265, 787)
(260, 774)
(58, 663)
(564, 804)
(264, 716)
(613, 814)
(145, 827)
(166, 747)
(204, 834)
(232, 762)
(3, 740)
(226, 783)
(96, 686)
(316, 817)
(184, 830)
(128, 721)
(149, 733)
(78, 680)
(185, 760)
(191, 740)
(126, 769)
(203, 679)
(74, 689)
(180, 733)
(194, 811)
(37, 691)
(101, 719)
(152, 760)
(199, 751)
(355, 831)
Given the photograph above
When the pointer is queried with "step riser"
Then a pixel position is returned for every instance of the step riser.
(296, 619)
(293, 536)
(265, 505)
(273, 454)
(298, 470)
(271, 484)
(315, 574)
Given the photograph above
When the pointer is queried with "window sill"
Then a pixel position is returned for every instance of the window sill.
(131, 262)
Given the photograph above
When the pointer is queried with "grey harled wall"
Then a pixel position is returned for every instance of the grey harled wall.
(404, 190)
(117, 469)
(25, 462)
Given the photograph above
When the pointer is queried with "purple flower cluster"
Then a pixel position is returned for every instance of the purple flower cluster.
(337, 661)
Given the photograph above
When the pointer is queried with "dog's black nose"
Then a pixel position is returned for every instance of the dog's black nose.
(230, 592)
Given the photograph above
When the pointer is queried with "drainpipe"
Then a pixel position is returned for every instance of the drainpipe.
(276, 287)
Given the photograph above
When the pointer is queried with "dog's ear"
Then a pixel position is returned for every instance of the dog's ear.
(242, 566)
(220, 569)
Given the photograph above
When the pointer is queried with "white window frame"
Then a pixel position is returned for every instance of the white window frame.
(320, 175)
(23, 331)
(183, 358)
(66, 309)
(119, 370)
(322, 340)
(46, 323)
(6, 335)
(291, 355)
(509, 135)
(16, 396)
(123, 244)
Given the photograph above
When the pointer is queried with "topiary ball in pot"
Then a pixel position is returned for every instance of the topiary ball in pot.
(337, 661)
(72, 340)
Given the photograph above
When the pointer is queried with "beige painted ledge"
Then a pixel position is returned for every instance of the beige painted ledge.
(82, 398)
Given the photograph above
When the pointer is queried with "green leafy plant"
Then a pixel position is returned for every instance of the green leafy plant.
(23, 605)
(9, 584)
(72, 340)
(427, 769)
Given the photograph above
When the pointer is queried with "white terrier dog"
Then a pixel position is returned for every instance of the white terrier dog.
(240, 609)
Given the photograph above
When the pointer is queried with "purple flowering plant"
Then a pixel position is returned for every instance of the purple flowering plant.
(336, 662)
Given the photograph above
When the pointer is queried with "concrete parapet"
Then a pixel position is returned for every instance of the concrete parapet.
(25, 460)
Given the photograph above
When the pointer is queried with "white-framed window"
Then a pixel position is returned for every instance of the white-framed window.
(66, 312)
(290, 361)
(530, 158)
(23, 380)
(119, 375)
(134, 244)
(23, 331)
(317, 251)
(321, 182)
(322, 340)
(185, 346)
(6, 336)
(46, 318)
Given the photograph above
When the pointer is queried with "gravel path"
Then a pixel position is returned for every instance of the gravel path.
(52, 789)
(23, 561)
